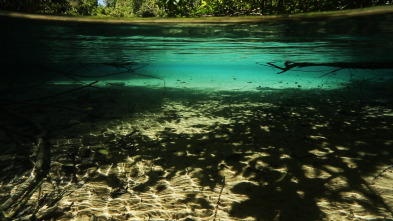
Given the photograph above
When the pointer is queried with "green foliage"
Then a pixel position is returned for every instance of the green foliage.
(183, 8)
(178, 8)
(130, 8)
(42, 6)
(82, 7)
(150, 8)
(121, 8)
(53, 6)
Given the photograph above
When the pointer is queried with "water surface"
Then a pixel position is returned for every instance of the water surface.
(222, 51)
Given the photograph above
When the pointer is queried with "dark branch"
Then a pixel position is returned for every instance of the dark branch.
(340, 65)
(54, 95)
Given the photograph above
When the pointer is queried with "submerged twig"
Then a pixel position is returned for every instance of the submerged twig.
(219, 198)
(330, 72)
(379, 175)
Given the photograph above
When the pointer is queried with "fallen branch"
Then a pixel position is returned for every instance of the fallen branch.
(37, 175)
(54, 95)
(72, 75)
(125, 66)
(22, 202)
(219, 198)
(340, 65)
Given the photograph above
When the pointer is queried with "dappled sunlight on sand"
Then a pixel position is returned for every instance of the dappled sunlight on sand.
(277, 155)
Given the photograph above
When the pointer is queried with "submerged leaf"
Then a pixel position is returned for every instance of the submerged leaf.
(103, 151)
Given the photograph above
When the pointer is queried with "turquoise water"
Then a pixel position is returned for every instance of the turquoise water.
(288, 119)
(219, 55)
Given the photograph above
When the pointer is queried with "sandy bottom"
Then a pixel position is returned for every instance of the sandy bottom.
(136, 153)
(222, 81)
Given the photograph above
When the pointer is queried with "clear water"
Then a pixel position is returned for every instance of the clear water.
(190, 122)
(223, 56)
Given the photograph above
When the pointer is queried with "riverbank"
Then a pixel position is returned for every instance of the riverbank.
(234, 19)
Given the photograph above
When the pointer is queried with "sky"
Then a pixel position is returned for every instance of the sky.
(101, 2)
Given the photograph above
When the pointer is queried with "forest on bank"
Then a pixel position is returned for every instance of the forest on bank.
(182, 8)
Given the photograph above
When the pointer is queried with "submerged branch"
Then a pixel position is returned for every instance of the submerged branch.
(54, 95)
(37, 175)
(339, 65)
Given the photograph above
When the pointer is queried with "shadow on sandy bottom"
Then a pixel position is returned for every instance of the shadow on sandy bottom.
(122, 153)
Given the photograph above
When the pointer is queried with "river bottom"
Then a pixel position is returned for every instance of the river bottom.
(136, 153)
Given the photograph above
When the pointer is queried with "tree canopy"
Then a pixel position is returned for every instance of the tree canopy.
(183, 8)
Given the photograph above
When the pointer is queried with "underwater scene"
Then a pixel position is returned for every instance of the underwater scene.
(287, 118)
